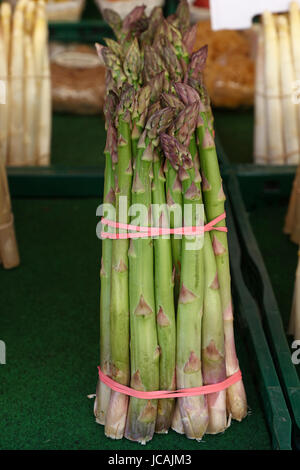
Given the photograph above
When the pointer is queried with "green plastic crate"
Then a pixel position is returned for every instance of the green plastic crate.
(259, 191)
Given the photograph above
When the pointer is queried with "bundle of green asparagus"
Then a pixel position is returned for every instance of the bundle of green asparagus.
(166, 320)
(26, 74)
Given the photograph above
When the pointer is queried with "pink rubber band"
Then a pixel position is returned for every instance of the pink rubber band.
(144, 232)
(186, 392)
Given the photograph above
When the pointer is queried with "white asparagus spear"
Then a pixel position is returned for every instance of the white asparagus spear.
(5, 10)
(42, 66)
(44, 134)
(273, 92)
(290, 124)
(40, 35)
(294, 17)
(16, 115)
(30, 90)
(3, 100)
(9, 254)
(260, 127)
(294, 326)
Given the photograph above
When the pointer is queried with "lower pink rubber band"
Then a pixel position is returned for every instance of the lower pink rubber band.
(186, 392)
(144, 232)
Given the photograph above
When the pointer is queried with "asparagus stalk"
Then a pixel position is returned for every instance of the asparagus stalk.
(9, 255)
(16, 115)
(294, 326)
(214, 198)
(145, 352)
(103, 392)
(30, 89)
(42, 68)
(182, 128)
(290, 124)
(193, 410)
(5, 14)
(294, 17)
(260, 128)
(45, 120)
(273, 92)
(139, 115)
(164, 298)
(292, 209)
(119, 305)
(3, 100)
(177, 424)
(213, 349)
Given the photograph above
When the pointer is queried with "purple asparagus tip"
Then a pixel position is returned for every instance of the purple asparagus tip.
(198, 62)
(136, 16)
(186, 93)
(159, 122)
(189, 38)
(172, 101)
(176, 153)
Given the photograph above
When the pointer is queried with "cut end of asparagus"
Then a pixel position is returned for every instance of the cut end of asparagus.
(165, 410)
(101, 402)
(177, 424)
(116, 415)
(194, 414)
(236, 401)
(9, 253)
(140, 426)
(217, 413)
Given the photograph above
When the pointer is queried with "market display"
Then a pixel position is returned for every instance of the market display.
(27, 83)
(166, 319)
(277, 118)
(62, 10)
(229, 74)
(78, 79)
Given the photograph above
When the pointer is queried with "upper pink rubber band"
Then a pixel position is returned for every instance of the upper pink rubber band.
(144, 232)
(186, 392)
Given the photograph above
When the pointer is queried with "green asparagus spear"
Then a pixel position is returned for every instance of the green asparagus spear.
(145, 351)
(119, 306)
(193, 410)
(164, 297)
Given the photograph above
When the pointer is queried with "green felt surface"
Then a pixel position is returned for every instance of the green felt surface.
(49, 322)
